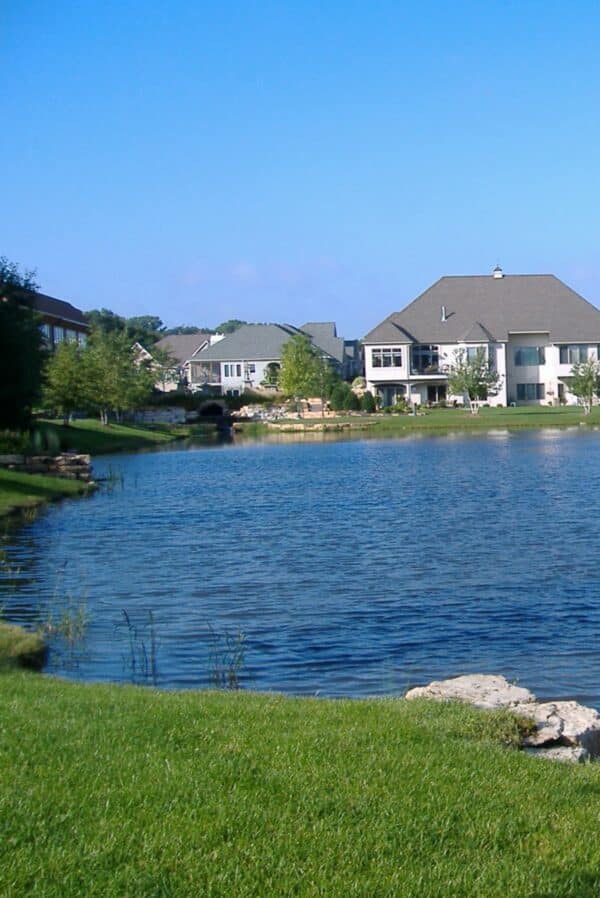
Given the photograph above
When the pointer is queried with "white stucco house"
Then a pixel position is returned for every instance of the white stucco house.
(533, 329)
(248, 358)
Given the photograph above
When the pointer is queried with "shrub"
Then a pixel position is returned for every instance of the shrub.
(367, 402)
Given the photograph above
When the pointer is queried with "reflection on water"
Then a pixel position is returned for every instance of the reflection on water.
(350, 567)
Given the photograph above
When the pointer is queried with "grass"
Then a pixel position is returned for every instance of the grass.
(20, 648)
(116, 791)
(92, 437)
(446, 420)
(19, 492)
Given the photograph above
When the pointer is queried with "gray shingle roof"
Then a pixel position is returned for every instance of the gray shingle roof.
(483, 307)
(183, 346)
(266, 341)
(251, 341)
(324, 335)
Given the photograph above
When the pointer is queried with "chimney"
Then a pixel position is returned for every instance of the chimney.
(497, 272)
(444, 316)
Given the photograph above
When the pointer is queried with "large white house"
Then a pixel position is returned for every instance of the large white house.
(533, 329)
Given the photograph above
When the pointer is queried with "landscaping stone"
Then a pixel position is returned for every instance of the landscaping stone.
(565, 723)
(564, 730)
(72, 465)
(482, 690)
(561, 753)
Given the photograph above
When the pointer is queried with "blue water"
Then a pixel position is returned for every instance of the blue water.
(352, 568)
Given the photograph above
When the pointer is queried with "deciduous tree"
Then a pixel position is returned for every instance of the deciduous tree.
(472, 377)
(21, 346)
(585, 382)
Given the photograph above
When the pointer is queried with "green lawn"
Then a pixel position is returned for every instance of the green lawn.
(21, 491)
(458, 419)
(90, 436)
(115, 791)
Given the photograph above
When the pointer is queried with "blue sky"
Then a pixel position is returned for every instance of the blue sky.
(296, 161)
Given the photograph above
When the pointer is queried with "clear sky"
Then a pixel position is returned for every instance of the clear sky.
(293, 161)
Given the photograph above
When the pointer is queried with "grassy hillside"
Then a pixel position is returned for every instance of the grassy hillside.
(91, 437)
(114, 791)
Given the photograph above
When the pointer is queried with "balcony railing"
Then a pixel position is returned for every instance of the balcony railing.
(427, 369)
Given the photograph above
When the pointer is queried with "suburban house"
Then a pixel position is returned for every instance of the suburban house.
(182, 350)
(59, 319)
(533, 329)
(250, 357)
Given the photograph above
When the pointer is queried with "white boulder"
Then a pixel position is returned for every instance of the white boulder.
(482, 690)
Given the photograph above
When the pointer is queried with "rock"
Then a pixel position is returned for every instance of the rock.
(482, 690)
(565, 723)
(564, 731)
(561, 753)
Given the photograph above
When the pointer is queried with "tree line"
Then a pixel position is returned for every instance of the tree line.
(149, 329)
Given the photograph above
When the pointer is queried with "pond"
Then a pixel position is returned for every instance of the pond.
(338, 568)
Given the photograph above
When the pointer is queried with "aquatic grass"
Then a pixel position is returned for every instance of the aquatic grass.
(141, 659)
(226, 658)
(20, 648)
(112, 791)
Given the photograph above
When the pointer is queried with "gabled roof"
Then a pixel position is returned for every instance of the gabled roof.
(183, 346)
(263, 342)
(483, 307)
(324, 335)
(251, 341)
(477, 333)
(48, 305)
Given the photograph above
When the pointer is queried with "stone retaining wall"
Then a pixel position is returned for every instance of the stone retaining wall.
(68, 465)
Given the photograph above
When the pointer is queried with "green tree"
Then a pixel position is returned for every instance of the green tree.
(66, 387)
(116, 380)
(187, 329)
(367, 402)
(105, 321)
(472, 376)
(229, 326)
(301, 370)
(585, 382)
(22, 353)
(145, 329)
(164, 366)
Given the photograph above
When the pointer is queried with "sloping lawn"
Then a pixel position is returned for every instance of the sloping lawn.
(20, 491)
(94, 438)
(115, 791)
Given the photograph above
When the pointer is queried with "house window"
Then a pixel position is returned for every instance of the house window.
(47, 333)
(388, 357)
(251, 368)
(575, 353)
(238, 370)
(82, 339)
(425, 359)
(59, 334)
(529, 392)
(530, 355)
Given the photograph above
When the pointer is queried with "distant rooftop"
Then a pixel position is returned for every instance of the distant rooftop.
(57, 308)
(183, 346)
